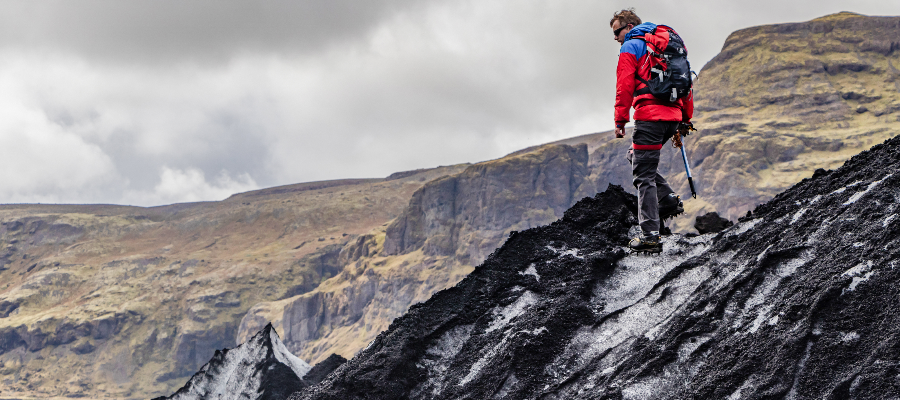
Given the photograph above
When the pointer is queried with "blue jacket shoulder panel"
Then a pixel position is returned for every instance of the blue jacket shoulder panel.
(637, 46)
(634, 46)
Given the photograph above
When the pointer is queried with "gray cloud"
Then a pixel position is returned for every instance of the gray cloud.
(154, 102)
(199, 30)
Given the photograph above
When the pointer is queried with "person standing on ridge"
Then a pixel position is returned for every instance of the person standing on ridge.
(658, 116)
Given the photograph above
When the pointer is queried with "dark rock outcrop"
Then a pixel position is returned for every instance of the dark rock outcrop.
(324, 368)
(798, 301)
(711, 223)
(261, 368)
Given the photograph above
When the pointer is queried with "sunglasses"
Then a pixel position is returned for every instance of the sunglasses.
(617, 31)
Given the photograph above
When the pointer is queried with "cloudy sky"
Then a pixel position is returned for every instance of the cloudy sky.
(164, 101)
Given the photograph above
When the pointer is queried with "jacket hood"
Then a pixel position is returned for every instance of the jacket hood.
(639, 30)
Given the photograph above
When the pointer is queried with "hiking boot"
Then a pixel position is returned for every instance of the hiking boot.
(646, 243)
(665, 231)
(670, 207)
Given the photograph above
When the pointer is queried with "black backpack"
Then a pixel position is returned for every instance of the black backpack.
(670, 71)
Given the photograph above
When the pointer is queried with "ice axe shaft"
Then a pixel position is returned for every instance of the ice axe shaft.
(687, 168)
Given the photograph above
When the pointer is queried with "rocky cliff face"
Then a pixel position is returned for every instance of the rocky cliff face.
(467, 214)
(128, 302)
(799, 301)
(450, 224)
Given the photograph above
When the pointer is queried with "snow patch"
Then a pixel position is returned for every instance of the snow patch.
(639, 319)
(860, 273)
(531, 271)
(787, 268)
(284, 356)
(635, 275)
(849, 337)
(506, 314)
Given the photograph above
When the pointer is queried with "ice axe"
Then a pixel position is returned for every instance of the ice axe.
(684, 129)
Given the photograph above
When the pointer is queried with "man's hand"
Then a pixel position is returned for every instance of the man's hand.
(620, 132)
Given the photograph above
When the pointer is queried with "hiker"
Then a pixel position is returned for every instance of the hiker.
(658, 117)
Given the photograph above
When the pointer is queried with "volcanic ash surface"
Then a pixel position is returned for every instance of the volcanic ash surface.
(800, 300)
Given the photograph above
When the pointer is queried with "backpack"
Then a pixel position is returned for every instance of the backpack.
(670, 71)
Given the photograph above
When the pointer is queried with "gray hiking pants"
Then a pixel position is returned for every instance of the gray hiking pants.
(648, 138)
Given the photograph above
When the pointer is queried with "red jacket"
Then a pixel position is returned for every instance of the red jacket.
(634, 58)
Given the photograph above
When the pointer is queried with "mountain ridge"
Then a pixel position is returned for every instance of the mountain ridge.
(564, 312)
(116, 293)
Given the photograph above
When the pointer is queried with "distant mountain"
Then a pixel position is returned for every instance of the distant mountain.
(797, 301)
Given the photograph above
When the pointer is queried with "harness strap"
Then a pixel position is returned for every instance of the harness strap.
(646, 146)
(645, 89)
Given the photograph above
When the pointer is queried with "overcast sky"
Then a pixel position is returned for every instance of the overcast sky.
(164, 101)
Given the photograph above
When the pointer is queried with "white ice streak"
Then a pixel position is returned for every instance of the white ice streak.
(797, 215)
(888, 220)
(739, 393)
(762, 316)
(761, 293)
(860, 273)
(742, 227)
(762, 254)
(802, 364)
(531, 271)
(487, 357)
(563, 251)
(440, 357)
(506, 314)
(859, 195)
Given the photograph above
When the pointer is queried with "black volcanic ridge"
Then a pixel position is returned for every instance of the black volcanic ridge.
(799, 300)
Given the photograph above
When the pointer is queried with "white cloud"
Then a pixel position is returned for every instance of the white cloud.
(42, 162)
(129, 104)
(182, 186)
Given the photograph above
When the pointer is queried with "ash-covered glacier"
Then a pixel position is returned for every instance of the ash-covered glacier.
(799, 300)
(261, 368)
